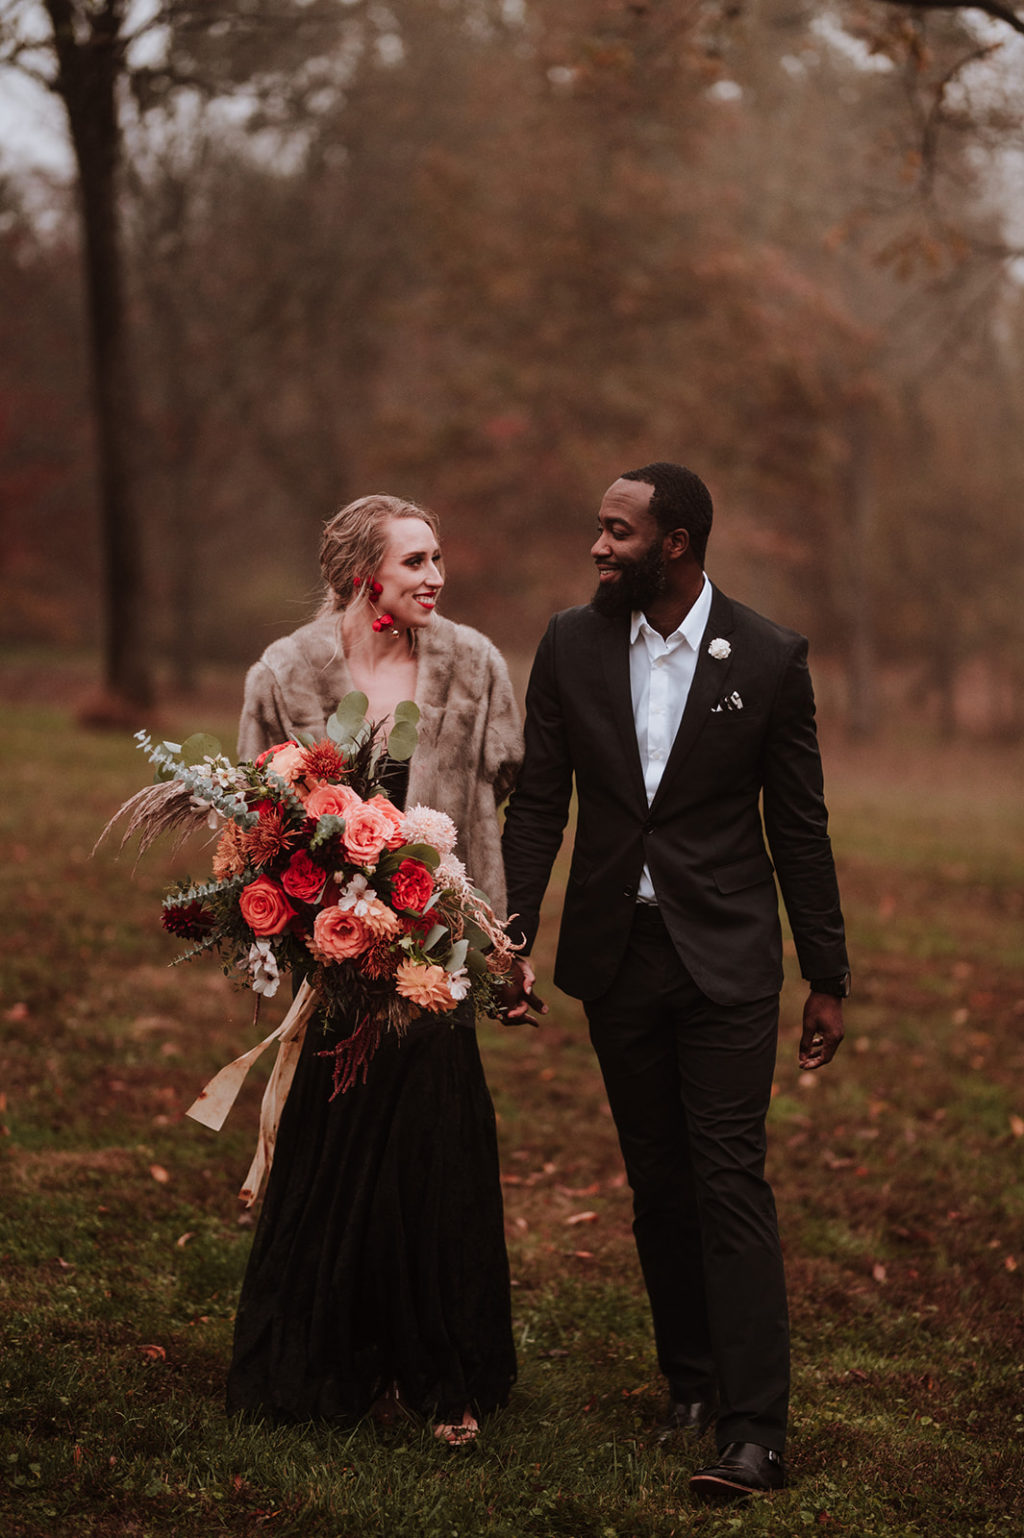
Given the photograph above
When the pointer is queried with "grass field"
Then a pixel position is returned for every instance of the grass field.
(897, 1172)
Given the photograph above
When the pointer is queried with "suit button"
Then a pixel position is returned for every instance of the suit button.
(648, 827)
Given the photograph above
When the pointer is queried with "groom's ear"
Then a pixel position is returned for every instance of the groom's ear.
(676, 544)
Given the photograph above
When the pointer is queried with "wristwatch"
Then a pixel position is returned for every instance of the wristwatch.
(838, 986)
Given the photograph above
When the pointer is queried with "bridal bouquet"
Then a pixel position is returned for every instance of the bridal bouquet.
(315, 871)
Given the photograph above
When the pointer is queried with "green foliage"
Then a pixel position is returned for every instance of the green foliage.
(199, 746)
(348, 726)
(402, 741)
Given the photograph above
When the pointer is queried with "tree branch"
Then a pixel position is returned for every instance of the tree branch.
(994, 8)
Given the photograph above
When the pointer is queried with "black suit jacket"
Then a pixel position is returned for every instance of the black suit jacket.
(702, 836)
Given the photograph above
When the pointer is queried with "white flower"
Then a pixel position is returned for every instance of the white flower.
(451, 873)
(425, 825)
(458, 984)
(356, 896)
(719, 648)
(263, 966)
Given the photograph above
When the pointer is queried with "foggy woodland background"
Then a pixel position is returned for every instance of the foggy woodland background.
(487, 255)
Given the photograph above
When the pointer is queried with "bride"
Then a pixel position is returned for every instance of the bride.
(378, 1278)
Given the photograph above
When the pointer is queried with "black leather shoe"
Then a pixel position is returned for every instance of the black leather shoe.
(740, 1470)
(689, 1420)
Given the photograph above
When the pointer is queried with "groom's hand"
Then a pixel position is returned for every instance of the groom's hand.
(516, 996)
(823, 1030)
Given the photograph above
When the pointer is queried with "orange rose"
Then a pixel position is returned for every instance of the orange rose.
(339, 935)
(289, 764)
(389, 810)
(426, 986)
(367, 831)
(332, 801)
(264, 907)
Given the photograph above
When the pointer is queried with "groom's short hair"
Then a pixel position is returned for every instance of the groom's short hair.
(680, 501)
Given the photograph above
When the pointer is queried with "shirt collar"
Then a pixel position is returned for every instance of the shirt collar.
(690, 630)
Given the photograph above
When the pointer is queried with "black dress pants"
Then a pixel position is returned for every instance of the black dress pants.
(689, 1084)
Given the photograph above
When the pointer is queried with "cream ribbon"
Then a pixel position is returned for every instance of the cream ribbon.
(213, 1103)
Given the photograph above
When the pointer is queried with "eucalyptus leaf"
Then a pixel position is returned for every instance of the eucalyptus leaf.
(407, 710)
(326, 828)
(476, 963)
(435, 935)
(425, 853)
(199, 746)
(305, 739)
(457, 958)
(476, 937)
(351, 712)
(402, 741)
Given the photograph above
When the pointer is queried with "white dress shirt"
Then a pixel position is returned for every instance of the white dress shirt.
(661, 670)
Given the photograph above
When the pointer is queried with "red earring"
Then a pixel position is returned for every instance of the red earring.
(381, 622)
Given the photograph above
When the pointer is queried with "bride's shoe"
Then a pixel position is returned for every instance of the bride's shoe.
(458, 1434)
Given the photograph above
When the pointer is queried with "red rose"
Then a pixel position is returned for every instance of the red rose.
(412, 885)
(264, 907)
(303, 879)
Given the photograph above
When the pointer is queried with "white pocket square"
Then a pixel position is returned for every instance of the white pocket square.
(727, 702)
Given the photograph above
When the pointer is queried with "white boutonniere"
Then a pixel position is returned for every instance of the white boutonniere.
(719, 648)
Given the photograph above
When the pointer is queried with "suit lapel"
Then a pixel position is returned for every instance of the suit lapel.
(614, 648)
(709, 681)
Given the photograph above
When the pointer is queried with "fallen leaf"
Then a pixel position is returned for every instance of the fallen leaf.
(154, 1353)
(159, 1174)
(1016, 1125)
(582, 1217)
(1010, 1263)
(65, 1265)
(16, 1012)
(183, 1239)
(878, 1272)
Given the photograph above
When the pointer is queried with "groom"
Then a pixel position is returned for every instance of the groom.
(683, 717)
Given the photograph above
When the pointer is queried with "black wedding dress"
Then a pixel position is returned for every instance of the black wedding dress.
(379, 1257)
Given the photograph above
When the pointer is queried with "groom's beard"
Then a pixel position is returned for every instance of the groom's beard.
(638, 584)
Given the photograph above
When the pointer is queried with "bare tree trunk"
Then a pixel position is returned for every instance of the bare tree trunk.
(861, 661)
(89, 46)
(943, 680)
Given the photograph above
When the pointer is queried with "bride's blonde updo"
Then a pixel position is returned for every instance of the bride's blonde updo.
(354, 542)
